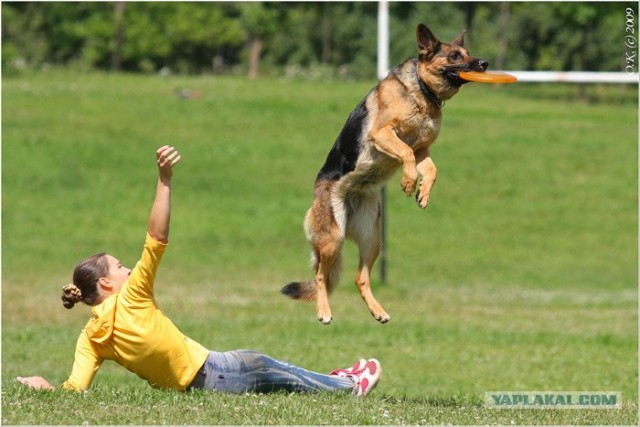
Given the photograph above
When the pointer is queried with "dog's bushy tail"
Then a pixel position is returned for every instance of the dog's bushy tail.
(305, 291)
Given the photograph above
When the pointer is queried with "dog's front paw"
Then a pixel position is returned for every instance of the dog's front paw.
(422, 197)
(409, 183)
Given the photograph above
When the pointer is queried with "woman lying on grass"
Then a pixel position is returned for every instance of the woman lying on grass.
(129, 328)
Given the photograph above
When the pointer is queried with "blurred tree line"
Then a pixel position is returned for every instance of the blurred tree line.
(306, 38)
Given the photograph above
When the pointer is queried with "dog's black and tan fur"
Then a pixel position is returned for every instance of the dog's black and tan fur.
(393, 126)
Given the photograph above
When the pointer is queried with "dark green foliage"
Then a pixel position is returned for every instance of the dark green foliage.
(330, 38)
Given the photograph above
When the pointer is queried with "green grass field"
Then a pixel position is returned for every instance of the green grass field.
(522, 275)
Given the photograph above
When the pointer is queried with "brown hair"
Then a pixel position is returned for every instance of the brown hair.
(85, 281)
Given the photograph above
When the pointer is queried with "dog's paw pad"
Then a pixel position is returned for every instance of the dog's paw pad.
(422, 199)
(325, 319)
(382, 318)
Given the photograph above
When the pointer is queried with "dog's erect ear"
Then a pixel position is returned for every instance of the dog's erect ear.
(428, 44)
(459, 41)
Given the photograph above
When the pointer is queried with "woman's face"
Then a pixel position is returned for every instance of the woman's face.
(117, 273)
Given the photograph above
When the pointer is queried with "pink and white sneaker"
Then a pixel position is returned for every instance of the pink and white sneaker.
(367, 379)
(345, 372)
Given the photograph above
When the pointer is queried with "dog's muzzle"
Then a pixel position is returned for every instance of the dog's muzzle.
(479, 65)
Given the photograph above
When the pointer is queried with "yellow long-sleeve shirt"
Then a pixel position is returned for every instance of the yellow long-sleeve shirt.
(128, 328)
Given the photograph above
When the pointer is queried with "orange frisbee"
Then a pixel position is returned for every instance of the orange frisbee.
(487, 77)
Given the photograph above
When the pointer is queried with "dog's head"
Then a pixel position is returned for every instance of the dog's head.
(439, 63)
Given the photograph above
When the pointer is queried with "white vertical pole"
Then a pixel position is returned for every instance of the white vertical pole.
(383, 39)
(383, 68)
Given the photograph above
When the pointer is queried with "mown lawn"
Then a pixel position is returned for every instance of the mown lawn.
(521, 275)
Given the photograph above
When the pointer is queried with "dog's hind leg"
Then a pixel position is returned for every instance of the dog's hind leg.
(325, 231)
(326, 239)
(327, 262)
(364, 228)
(327, 275)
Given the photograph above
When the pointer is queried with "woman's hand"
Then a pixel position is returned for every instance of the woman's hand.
(167, 157)
(37, 383)
(158, 227)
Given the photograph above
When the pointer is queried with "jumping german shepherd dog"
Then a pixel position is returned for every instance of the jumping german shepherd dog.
(393, 126)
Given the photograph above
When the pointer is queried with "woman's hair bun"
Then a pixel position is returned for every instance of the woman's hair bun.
(71, 295)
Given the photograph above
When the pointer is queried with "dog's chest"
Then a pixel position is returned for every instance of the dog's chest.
(419, 131)
(373, 168)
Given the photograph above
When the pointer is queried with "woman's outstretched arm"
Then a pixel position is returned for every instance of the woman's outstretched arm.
(158, 228)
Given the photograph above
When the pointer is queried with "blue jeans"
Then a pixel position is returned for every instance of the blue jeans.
(243, 371)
